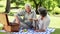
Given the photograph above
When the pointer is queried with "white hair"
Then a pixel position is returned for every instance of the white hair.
(26, 5)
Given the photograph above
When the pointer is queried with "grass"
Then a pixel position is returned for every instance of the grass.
(57, 31)
(54, 23)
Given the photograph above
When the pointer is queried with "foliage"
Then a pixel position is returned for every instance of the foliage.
(56, 10)
(35, 4)
(11, 13)
(18, 2)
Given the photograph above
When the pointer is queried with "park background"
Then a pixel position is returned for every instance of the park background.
(53, 7)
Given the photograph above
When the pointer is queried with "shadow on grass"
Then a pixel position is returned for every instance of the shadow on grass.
(57, 31)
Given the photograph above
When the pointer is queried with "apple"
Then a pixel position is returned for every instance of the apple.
(25, 30)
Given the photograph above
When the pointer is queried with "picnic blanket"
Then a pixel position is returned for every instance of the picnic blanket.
(31, 31)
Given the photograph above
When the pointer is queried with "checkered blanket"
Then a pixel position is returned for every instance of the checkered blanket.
(30, 31)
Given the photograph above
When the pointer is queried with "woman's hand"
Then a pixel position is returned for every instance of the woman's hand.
(41, 30)
(36, 19)
(37, 30)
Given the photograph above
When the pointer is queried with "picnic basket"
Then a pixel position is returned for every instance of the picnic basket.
(8, 26)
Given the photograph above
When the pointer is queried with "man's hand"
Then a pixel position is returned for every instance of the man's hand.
(17, 20)
(31, 19)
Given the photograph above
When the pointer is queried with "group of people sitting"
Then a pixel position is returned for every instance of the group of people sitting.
(30, 20)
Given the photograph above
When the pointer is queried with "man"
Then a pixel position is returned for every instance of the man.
(28, 15)
(43, 20)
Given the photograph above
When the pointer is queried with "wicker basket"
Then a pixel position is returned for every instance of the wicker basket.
(9, 27)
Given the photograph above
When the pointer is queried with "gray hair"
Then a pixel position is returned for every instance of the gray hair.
(27, 5)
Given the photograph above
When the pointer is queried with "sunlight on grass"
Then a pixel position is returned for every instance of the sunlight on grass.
(55, 22)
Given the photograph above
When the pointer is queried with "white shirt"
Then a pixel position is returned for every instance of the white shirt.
(43, 24)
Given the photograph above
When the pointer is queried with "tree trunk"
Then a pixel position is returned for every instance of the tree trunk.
(7, 6)
(40, 3)
(37, 9)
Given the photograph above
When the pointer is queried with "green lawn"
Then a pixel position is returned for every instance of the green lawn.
(55, 23)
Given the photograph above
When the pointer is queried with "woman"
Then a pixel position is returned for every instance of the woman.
(43, 20)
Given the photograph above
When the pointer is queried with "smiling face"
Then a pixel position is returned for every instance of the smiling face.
(27, 8)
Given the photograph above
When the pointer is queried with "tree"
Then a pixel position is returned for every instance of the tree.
(48, 4)
(58, 1)
(18, 2)
(7, 6)
(37, 3)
